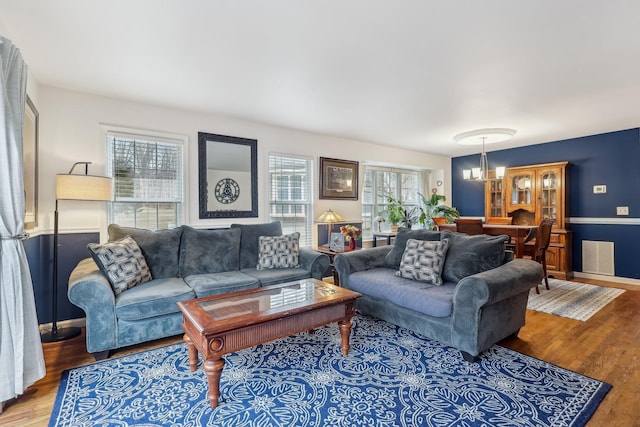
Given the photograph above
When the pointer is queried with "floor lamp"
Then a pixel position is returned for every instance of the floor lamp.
(329, 217)
(72, 187)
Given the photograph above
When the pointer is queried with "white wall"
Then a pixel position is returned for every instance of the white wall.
(70, 132)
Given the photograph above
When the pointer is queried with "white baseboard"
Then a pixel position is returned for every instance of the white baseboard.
(612, 279)
(80, 323)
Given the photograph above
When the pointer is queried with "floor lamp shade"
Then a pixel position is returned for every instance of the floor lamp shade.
(71, 187)
(83, 187)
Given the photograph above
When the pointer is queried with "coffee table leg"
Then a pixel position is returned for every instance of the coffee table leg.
(345, 331)
(213, 369)
(193, 353)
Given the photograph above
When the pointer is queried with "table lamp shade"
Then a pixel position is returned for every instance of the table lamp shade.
(83, 187)
(330, 216)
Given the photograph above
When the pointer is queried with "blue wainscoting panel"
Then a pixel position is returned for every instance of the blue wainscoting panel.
(625, 248)
(72, 248)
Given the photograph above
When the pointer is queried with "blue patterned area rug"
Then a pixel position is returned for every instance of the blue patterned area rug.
(391, 377)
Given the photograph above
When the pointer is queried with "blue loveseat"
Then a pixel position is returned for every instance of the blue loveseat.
(185, 263)
(482, 299)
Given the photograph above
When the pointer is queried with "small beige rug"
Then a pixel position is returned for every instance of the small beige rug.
(573, 300)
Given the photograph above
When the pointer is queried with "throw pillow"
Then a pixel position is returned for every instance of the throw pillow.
(470, 255)
(423, 260)
(160, 248)
(209, 251)
(249, 240)
(394, 257)
(279, 251)
(122, 262)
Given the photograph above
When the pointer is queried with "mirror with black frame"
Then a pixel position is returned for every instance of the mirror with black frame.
(228, 176)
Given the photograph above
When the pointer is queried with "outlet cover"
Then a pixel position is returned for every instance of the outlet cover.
(622, 210)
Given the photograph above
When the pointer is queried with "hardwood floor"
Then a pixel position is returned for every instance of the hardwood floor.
(606, 347)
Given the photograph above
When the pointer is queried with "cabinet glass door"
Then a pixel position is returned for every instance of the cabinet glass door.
(521, 191)
(495, 198)
(549, 194)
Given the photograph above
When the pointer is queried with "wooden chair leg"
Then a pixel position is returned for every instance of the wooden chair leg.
(544, 268)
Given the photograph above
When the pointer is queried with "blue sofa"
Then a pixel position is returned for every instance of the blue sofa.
(185, 263)
(482, 300)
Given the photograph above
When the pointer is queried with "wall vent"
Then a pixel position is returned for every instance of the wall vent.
(597, 258)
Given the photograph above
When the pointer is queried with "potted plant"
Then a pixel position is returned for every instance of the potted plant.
(400, 215)
(433, 208)
(395, 213)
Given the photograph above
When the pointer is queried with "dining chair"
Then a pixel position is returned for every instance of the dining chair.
(537, 249)
(469, 226)
(500, 220)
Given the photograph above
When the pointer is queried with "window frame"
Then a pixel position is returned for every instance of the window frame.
(162, 137)
(310, 199)
(379, 207)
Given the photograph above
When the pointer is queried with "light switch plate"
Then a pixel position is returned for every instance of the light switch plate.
(599, 189)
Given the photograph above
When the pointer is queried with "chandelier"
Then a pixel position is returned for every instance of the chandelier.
(483, 136)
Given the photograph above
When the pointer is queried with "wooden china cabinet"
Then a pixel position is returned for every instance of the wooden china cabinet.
(530, 194)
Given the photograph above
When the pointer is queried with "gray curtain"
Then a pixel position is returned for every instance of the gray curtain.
(21, 359)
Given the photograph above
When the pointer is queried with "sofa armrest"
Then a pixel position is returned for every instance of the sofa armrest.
(491, 305)
(314, 262)
(90, 290)
(500, 283)
(364, 259)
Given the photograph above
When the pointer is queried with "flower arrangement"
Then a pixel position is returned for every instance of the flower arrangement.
(351, 232)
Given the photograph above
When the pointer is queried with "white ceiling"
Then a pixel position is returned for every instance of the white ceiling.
(411, 73)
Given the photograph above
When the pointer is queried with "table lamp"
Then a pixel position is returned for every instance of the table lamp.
(329, 217)
(379, 220)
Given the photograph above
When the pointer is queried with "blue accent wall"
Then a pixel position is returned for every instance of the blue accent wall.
(611, 159)
(72, 248)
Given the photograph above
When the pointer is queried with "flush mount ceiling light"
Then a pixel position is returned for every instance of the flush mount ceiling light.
(483, 136)
(487, 136)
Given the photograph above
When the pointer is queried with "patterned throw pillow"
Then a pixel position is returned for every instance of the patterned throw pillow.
(279, 251)
(423, 260)
(122, 262)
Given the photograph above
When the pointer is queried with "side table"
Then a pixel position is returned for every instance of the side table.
(386, 234)
(331, 254)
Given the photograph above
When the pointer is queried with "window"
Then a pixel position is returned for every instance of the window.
(147, 174)
(382, 183)
(290, 195)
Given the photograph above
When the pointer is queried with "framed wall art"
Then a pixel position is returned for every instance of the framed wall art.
(338, 179)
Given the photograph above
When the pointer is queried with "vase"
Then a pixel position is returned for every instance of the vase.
(352, 244)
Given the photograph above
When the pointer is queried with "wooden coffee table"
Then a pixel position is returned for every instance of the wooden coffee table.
(221, 324)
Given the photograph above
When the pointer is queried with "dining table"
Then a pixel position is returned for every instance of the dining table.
(518, 233)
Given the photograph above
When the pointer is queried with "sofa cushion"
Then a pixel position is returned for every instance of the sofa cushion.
(160, 248)
(468, 255)
(209, 251)
(122, 262)
(155, 298)
(279, 251)
(395, 255)
(205, 285)
(423, 260)
(426, 298)
(274, 276)
(249, 245)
